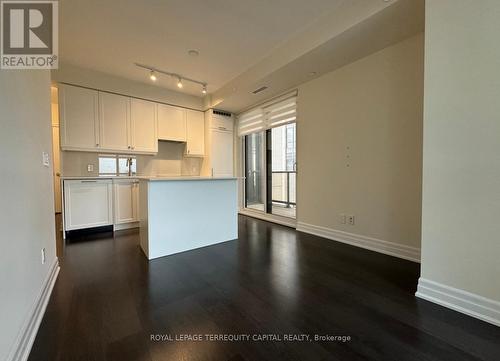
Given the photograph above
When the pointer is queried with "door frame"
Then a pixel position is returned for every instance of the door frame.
(287, 221)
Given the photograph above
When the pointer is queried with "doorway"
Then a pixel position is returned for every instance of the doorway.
(271, 171)
(56, 157)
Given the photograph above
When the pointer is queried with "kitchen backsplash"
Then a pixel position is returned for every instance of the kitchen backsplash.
(170, 160)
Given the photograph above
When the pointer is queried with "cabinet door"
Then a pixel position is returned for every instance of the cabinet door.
(222, 153)
(222, 122)
(125, 199)
(171, 123)
(143, 126)
(135, 200)
(78, 116)
(114, 116)
(87, 204)
(195, 145)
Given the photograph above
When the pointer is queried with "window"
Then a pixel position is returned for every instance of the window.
(123, 165)
(107, 165)
(112, 164)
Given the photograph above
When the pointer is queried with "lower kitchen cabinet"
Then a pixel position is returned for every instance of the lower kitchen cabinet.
(126, 194)
(88, 203)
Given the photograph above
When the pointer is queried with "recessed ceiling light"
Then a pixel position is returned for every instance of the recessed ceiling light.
(193, 52)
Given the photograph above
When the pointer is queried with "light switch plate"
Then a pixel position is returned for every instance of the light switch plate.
(90, 168)
(45, 159)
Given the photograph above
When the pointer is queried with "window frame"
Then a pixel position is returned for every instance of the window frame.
(116, 158)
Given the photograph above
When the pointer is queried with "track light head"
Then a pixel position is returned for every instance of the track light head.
(152, 76)
(204, 90)
(179, 82)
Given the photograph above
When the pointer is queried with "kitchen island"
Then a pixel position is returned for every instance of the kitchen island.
(179, 214)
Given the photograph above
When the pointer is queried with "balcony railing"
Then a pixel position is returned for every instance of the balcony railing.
(286, 180)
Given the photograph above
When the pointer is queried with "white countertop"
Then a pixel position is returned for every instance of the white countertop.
(184, 178)
(76, 177)
(149, 178)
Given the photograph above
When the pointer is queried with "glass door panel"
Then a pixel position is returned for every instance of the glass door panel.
(283, 170)
(255, 171)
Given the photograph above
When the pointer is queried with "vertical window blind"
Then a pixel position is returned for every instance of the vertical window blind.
(269, 115)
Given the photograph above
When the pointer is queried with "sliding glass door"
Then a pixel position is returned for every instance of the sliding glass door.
(269, 158)
(270, 168)
(282, 182)
(254, 171)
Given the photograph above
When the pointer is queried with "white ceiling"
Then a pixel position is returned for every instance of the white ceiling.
(231, 35)
(336, 40)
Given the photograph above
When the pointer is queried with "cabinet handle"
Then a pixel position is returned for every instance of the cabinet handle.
(222, 128)
(97, 144)
(188, 151)
(129, 147)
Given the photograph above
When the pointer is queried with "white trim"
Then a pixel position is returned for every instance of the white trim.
(459, 300)
(284, 221)
(22, 346)
(123, 226)
(373, 244)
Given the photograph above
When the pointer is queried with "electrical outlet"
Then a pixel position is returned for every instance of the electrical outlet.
(350, 220)
(342, 219)
(45, 159)
(90, 168)
(43, 255)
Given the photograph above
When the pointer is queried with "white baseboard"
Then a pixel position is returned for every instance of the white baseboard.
(459, 300)
(123, 226)
(22, 347)
(373, 244)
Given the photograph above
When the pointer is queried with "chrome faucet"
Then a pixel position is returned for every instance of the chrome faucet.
(129, 165)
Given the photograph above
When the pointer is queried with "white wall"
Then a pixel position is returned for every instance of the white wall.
(461, 182)
(71, 74)
(27, 212)
(359, 146)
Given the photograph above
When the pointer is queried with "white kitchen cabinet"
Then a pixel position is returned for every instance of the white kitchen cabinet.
(79, 121)
(114, 119)
(171, 123)
(88, 203)
(126, 194)
(219, 145)
(195, 145)
(143, 126)
(221, 122)
(221, 153)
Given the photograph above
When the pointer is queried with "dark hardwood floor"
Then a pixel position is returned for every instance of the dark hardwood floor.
(109, 300)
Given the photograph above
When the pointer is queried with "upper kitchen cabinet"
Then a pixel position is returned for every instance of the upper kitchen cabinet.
(171, 123)
(114, 117)
(195, 144)
(79, 120)
(219, 141)
(143, 126)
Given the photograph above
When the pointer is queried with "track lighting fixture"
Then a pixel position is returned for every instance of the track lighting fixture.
(154, 73)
